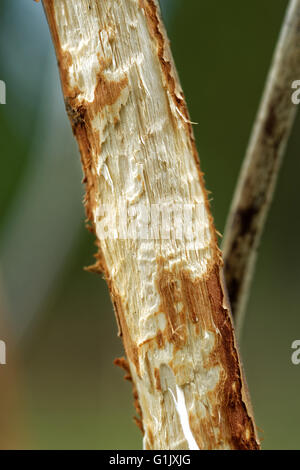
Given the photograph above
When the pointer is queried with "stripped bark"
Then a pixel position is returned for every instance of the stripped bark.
(129, 116)
(262, 162)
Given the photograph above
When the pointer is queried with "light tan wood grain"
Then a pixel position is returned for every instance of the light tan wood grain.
(129, 116)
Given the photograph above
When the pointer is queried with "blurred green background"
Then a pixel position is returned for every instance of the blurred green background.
(60, 389)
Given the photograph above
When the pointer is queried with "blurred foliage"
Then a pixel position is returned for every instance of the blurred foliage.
(72, 395)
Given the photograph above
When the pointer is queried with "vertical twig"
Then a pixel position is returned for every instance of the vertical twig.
(260, 169)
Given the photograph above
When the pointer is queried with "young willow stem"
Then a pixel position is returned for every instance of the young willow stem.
(129, 116)
(260, 168)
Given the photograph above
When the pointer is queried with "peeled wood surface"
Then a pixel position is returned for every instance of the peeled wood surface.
(129, 117)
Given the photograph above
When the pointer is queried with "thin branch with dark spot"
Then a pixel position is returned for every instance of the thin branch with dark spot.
(261, 166)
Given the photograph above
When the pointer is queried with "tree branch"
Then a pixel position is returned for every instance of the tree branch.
(262, 162)
(128, 114)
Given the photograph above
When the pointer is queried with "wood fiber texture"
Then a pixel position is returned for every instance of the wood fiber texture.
(129, 117)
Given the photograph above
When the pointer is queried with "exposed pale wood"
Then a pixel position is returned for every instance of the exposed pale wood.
(262, 162)
(128, 114)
